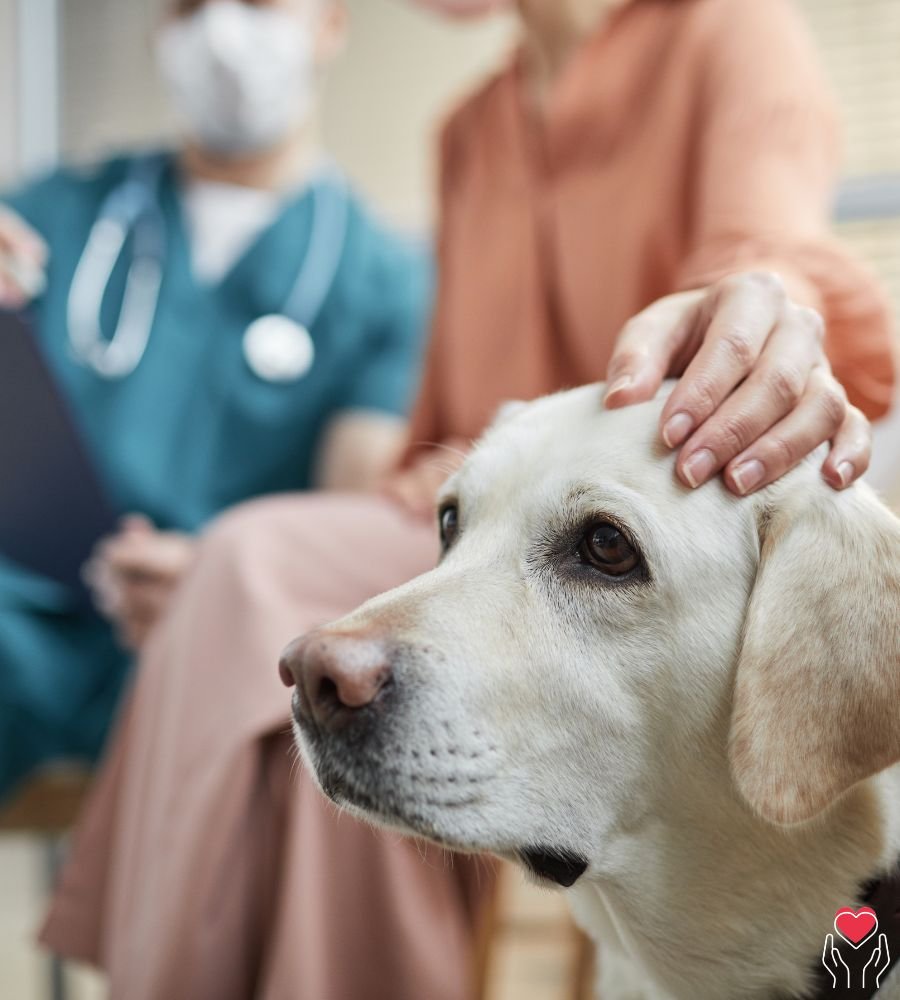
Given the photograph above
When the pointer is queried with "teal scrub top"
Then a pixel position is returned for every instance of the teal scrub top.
(193, 429)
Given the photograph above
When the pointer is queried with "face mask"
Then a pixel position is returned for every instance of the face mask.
(241, 78)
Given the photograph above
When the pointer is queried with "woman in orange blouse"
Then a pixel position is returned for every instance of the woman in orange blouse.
(658, 158)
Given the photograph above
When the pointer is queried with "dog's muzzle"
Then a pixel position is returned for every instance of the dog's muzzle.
(354, 692)
(338, 675)
(350, 709)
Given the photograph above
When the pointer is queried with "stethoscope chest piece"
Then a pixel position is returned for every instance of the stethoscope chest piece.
(277, 349)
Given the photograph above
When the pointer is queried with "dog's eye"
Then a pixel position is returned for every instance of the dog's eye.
(607, 549)
(449, 524)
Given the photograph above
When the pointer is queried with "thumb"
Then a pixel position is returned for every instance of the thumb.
(646, 347)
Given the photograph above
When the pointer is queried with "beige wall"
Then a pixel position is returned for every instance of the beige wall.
(401, 69)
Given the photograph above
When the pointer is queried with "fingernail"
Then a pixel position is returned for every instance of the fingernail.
(620, 383)
(676, 429)
(698, 468)
(748, 475)
(845, 472)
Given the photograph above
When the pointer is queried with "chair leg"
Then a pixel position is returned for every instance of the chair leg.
(584, 968)
(57, 979)
(487, 935)
(54, 851)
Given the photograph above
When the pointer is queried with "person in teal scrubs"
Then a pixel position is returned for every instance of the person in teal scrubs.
(283, 342)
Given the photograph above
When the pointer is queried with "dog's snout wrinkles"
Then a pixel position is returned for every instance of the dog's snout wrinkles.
(336, 672)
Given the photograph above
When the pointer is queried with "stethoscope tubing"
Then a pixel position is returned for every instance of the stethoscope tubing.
(134, 207)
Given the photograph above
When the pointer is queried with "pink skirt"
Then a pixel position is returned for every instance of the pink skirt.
(207, 866)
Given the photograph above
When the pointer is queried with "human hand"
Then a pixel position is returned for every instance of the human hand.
(23, 256)
(415, 488)
(834, 964)
(756, 393)
(133, 574)
(878, 963)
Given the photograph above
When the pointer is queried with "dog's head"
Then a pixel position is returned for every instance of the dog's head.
(597, 640)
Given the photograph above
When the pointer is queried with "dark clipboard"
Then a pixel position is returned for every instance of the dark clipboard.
(53, 508)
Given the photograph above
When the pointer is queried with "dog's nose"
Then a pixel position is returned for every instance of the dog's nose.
(336, 672)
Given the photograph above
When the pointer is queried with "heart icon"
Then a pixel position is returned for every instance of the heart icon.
(856, 926)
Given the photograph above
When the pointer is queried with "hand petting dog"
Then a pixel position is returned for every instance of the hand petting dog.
(755, 395)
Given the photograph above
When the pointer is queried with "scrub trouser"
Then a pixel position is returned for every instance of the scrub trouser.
(61, 674)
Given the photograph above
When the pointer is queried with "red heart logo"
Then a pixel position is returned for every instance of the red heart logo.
(856, 926)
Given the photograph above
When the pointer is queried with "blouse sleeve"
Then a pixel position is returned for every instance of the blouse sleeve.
(398, 307)
(767, 143)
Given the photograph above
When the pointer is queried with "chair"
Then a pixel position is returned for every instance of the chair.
(519, 922)
(46, 808)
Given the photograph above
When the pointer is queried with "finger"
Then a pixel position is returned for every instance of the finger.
(747, 311)
(141, 554)
(108, 601)
(103, 585)
(136, 522)
(815, 420)
(646, 347)
(102, 548)
(127, 555)
(11, 295)
(144, 602)
(772, 390)
(17, 237)
(851, 450)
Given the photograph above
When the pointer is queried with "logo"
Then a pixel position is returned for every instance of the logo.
(857, 929)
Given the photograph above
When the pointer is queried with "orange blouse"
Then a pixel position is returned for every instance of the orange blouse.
(686, 140)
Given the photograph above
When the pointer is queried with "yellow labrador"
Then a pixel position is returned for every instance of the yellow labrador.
(682, 706)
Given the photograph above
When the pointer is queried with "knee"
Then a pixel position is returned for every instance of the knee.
(236, 540)
(240, 524)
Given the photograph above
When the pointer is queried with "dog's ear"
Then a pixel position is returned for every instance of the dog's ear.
(817, 689)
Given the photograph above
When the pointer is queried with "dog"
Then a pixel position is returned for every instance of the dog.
(681, 706)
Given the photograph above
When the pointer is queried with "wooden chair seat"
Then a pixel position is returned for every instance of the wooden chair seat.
(47, 804)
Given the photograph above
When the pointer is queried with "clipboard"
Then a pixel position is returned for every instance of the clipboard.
(53, 507)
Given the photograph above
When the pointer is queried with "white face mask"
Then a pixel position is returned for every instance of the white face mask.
(241, 78)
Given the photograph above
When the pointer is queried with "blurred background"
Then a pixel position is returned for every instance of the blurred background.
(77, 81)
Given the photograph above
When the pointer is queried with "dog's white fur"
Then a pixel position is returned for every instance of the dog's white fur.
(714, 739)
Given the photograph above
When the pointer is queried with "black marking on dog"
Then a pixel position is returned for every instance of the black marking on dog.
(554, 864)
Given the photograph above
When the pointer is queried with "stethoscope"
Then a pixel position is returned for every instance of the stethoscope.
(277, 347)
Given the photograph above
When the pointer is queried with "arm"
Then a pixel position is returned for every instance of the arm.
(431, 455)
(357, 450)
(366, 436)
